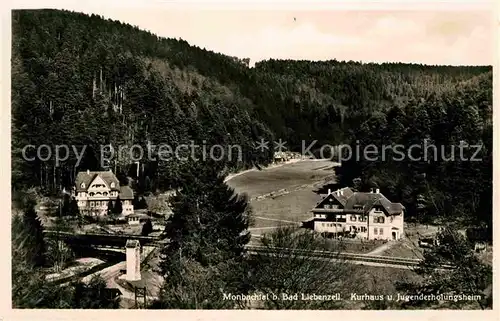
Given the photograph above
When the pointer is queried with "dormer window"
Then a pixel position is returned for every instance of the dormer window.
(82, 185)
(112, 184)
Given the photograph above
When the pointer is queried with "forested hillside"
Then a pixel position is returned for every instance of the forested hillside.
(83, 80)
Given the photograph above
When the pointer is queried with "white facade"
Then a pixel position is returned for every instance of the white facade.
(133, 220)
(133, 253)
(342, 212)
(94, 190)
(379, 227)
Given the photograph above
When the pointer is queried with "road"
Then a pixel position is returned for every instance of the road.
(110, 274)
(382, 248)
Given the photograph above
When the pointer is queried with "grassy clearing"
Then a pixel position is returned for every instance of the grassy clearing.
(353, 246)
(126, 229)
(255, 183)
(297, 178)
(295, 207)
(404, 248)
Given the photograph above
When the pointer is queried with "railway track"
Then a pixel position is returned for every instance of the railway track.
(255, 249)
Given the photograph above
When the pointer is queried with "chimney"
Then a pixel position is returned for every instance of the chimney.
(377, 191)
(88, 171)
(329, 191)
(341, 192)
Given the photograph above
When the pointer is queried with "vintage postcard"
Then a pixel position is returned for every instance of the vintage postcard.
(196, 156)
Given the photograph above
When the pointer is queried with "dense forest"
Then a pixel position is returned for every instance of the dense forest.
(83, 80)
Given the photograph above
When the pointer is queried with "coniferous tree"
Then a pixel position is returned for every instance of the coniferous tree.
(74, 209)
(94, 295)
(33, 230)
(140, 203)
(470, 276)
(118, 208)
(147, 228)
(209, 222)
(66, 205)
(111, 208)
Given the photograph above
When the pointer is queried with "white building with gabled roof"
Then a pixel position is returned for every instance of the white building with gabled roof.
(94, 189)
(367, 215)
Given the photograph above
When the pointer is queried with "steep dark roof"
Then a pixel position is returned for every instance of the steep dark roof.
(88, 177)
(369, 200)
(126, 193)
(361, 201)
(342, 195)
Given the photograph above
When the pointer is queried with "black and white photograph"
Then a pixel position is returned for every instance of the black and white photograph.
(178, 156)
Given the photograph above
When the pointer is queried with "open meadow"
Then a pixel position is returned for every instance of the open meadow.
(283, 195)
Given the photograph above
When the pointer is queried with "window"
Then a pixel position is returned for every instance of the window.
(363, 229)
(82, 185)
(105, 194)
(91, 204)
(328, 206)
(353, 218)
(112, 184)
(375, 230)
(381, 219)
(381, 231)
(91, 194)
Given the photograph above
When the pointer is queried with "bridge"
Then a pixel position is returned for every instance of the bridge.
(103, 240)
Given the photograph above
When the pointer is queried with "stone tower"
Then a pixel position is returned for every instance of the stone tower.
(133, 252)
